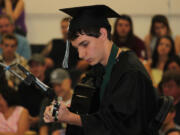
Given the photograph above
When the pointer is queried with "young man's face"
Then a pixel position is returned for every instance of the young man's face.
(170, 88)
(123, 28)
(5, 26)
(9, 47)
(90, 49)
(37, 69)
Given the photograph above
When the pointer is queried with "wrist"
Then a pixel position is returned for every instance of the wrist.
(74, 119)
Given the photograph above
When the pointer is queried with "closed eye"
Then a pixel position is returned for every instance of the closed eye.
(84, 43)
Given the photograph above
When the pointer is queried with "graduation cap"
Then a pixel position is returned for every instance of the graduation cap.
(90, 16)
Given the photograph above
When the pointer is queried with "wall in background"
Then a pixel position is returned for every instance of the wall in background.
(43, 17)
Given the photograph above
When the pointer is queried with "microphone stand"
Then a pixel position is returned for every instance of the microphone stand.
(11, 71)
(31, 79)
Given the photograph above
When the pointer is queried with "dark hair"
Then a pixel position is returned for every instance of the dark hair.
(10, 37)
(9, 94)
(159, 19)
(115, 36)
(175, 59)
(93, 31)
(171, 75)
(155, 56)
(172, 130)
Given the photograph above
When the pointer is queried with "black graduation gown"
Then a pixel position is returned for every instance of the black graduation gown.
(129, 102)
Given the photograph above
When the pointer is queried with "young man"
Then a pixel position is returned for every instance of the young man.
(37, 68)
(128, 102)
(7, 27)
(31, 96)
(171, 87)
(9, 56)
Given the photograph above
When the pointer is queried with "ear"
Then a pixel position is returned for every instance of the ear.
(103, 33)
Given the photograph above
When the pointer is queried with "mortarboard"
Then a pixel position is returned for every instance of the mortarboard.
(89, 16)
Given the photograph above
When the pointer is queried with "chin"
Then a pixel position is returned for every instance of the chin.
(93, 63)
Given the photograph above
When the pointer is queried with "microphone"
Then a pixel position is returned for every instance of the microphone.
(9, 69)
(31, 78)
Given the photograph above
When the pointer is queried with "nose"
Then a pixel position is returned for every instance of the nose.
(82, 53)
(9, 48)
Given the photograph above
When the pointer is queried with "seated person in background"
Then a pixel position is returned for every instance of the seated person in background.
(14, 119)
(15, 9)
(61, 84)
(7, 27)
(164, 50)
(56, 50)
(159, 27)
(169, 122)
(31, 96)
(123, 36)
(9, 56)
(171, 87)
(173, 132)
(173, 64)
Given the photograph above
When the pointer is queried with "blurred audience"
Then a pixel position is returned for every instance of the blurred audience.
(171, 87)
(15, 9)
(14, 119)
(159, 27)
(31, 96)
(7, 27)
(164, 50)
(61, 84)
(173, 64)
(9, 56)
(169, 123)
(124, 36)
(171, 84)
(64, 49)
